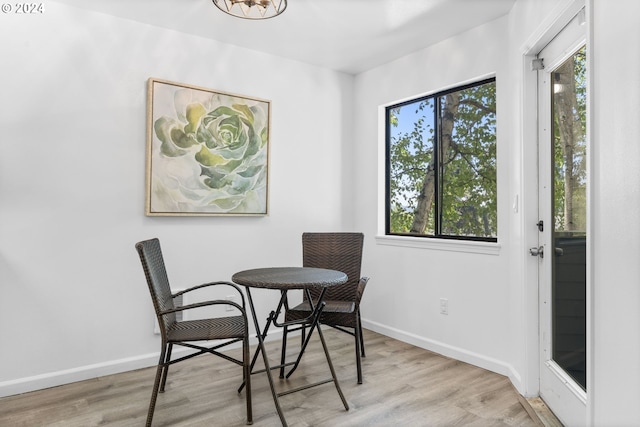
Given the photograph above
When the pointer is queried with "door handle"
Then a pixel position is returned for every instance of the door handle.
(539, 251)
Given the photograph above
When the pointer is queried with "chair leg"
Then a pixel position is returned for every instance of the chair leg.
(156, 386)
(165, 364)
(246, 362)
(283, 354)
(358, 339)
(361, 336)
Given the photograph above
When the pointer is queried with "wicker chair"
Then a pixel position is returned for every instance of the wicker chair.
(335, 251)
(230, 329)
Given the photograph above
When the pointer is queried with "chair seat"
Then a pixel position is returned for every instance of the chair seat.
(330, 307)
(338, 313)
(207, 329)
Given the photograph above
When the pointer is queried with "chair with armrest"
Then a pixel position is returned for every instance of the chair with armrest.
(335, 251)
(187, 333)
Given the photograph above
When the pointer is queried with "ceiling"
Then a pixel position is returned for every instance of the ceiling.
(345, 35)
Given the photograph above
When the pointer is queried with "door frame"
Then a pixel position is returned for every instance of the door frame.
(549, 28)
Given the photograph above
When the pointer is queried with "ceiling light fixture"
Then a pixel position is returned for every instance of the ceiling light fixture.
(252, 9)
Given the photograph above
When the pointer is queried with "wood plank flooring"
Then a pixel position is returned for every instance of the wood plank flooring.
(403, 386)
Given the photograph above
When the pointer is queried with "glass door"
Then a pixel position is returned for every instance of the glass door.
(562, 148)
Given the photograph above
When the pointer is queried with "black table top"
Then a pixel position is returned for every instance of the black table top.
(289, 278)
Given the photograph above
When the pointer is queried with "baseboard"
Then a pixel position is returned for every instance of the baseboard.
(54, 379)
(453, 352)
(88, 372)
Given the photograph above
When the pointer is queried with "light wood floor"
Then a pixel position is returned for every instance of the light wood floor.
(403, 386)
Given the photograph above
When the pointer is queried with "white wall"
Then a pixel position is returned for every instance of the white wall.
(615, 205)
(72, 183)
(407, 283)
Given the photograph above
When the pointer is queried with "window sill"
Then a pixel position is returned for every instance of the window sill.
(484, 248)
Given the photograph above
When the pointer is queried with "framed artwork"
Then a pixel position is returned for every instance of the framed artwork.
(207, 152)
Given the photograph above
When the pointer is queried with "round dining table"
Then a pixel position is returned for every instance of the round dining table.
(285, 279)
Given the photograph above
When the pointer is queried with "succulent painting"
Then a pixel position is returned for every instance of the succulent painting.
(209, 154)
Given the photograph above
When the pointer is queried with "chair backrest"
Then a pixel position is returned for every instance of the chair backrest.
(335, 251)
(157, 279)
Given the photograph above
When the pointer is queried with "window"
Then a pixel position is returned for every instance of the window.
(441, 164)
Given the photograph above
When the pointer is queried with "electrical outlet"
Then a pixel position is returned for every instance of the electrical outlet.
(231, 298)
(444, 306)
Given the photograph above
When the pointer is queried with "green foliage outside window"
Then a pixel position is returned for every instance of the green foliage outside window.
(441, 164)
(570, 145)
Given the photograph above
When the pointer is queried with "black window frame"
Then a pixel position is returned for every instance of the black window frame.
(438, 167)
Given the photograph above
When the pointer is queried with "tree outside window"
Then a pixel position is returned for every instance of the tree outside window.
(441, 164)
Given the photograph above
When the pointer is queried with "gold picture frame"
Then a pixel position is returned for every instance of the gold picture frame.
(207, 152)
